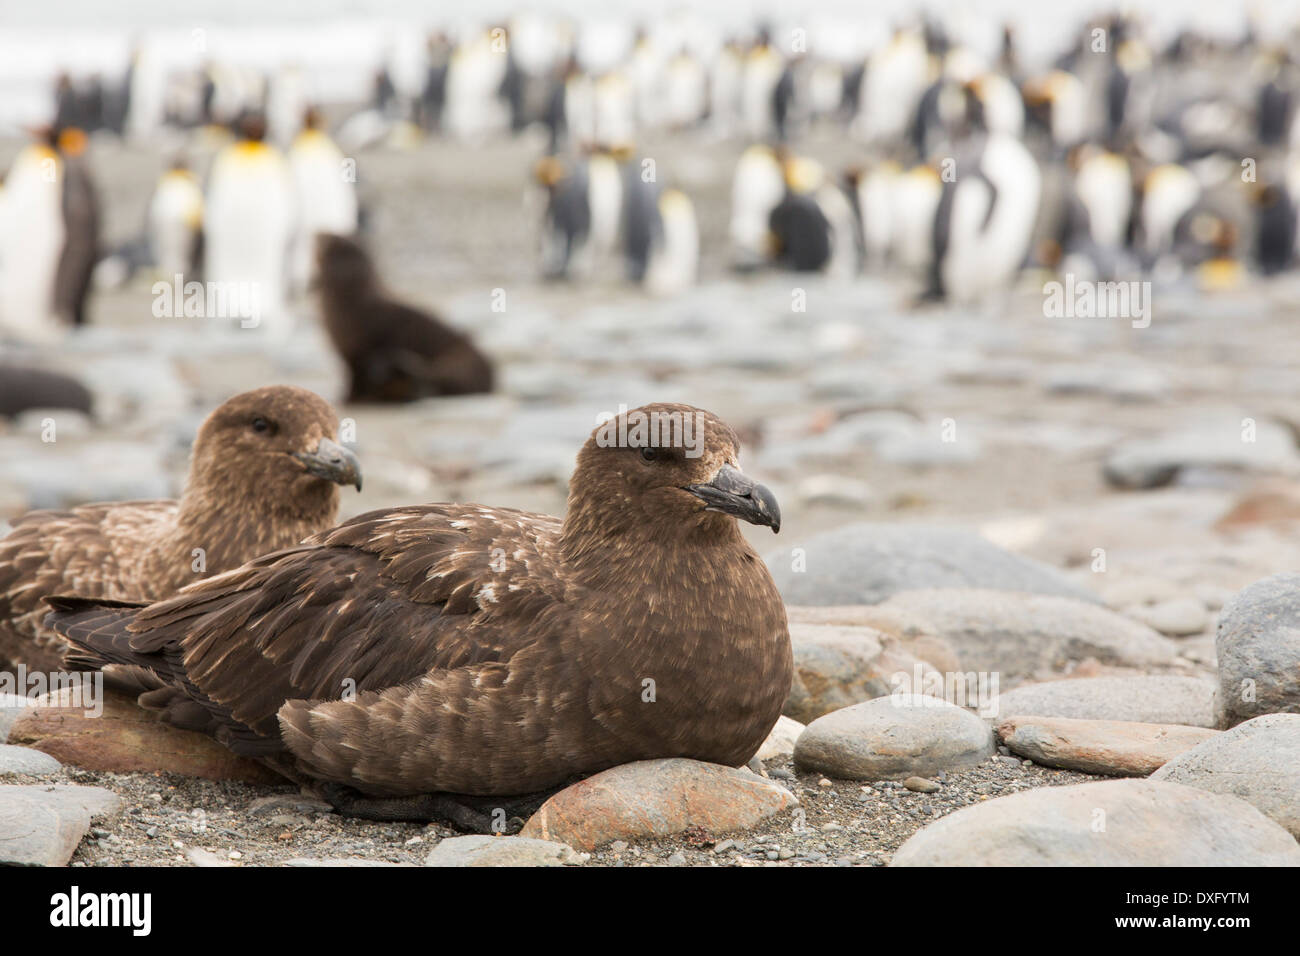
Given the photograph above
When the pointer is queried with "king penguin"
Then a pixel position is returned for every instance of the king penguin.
(661, 240)
(175, 222)
(584, 223)
(475, 74)
(81, 217)
(914, 204)
(1168, 193)
(1099, 211)
(986, 215)
(761, 74)
(895, 79)
(31, 241)
(48, 237)
(248, 227)
(757, 187)
(325, 194)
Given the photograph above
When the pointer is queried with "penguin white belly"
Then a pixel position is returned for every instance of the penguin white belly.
(876, 208)
(1015, 173)
(1004, 107)
(991, 228)
(325, 198)
(892, 86)
(844, 248)
(31, 242)
(175, 218)
(580, 110)
(762, 72)
(147, 96)
(474, 76)
(826, 88)
(286, 102)
(675, 261)
(1293, 181)
(756, 190)
(687, 93)
(1105, 190)
(1171, 191)
(1070, 121)
(724, 94)
(649, 86)
(915, 202)
(614, 107)
(605, 196)
(963, 261)
(248, 227)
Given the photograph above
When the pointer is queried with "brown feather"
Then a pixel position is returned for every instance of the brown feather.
(245, 495)
(475, 650)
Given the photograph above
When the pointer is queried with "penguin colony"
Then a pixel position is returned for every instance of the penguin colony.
(1113, 158)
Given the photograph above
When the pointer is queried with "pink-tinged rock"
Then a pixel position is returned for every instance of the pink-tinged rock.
(1112, 747)
(654, 799)
(125, 738)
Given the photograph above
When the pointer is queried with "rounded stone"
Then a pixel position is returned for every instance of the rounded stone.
(1258, 761)
(1158, 699)
(893, 738)
(1111, 823)
(866, 563)
(26, 762)
(1258, 647)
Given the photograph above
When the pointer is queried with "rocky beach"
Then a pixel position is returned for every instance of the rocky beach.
(1040, 572)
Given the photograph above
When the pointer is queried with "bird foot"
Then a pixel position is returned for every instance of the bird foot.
(420, 808)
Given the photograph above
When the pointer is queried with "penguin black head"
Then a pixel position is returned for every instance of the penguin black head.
(975, 118)
(45, 135)
(251, 125)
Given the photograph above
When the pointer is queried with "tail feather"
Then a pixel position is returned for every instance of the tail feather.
(102, 639)
(98, 630)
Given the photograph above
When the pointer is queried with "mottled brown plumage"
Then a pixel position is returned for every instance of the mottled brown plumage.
(263, 476)
(394, 352)
(487, 651)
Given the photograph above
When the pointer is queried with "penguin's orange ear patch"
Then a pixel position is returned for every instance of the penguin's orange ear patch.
(72, 141)
(1036, 91)
(549, 171)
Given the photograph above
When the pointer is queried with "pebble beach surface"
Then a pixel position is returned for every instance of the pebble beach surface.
(184, 821)
(1076, 507)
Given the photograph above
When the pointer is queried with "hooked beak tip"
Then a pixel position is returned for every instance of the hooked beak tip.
(734, 493)
(332, 462)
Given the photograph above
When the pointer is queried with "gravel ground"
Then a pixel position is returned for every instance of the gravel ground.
(171, 820)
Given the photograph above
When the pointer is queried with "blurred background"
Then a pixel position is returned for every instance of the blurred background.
(834, 226)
